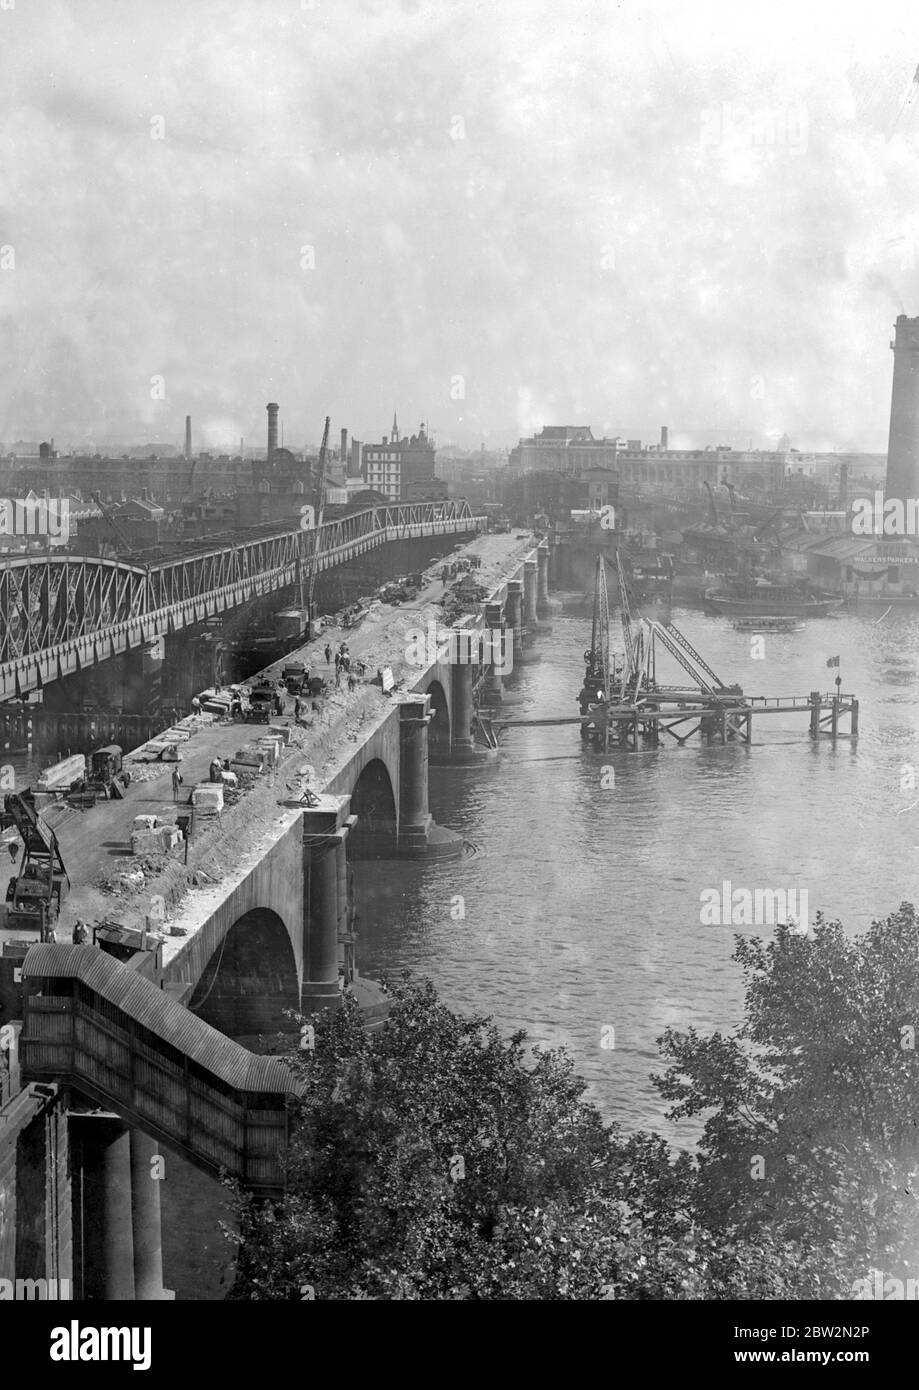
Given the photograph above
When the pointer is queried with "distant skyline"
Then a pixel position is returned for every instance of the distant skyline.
(489, 218)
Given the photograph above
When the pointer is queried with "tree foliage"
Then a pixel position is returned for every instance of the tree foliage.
(437, 1159)
(812, 1104)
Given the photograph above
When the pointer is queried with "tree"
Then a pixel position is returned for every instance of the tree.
(812, 1103)
(438, 1160)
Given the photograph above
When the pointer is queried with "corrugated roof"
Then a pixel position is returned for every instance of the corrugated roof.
(140, 999)
(840, 548)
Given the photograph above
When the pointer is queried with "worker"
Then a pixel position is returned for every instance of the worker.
(298, 708)
(236, 707)
(80, 933)
(195, 705)
(352, 683)
(14, 850)
(328, 654)
(216, 771)
(176, 783)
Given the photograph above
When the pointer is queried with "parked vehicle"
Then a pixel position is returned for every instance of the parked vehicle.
(295, 678)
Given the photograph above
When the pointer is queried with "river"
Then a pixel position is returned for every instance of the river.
(582, 901)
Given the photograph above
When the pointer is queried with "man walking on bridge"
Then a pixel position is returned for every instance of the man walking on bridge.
(328, 654)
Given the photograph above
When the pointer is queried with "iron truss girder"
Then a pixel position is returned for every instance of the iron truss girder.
(62, 613)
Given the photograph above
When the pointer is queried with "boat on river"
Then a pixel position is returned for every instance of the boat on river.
(757, 598)
(769, 623)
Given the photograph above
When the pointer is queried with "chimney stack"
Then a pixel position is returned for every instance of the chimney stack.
(903, 443)
(272, 409)
(344, 449)
(664, 434)
(355, 469)
(187, 437)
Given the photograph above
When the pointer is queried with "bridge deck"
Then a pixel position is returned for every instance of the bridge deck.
(97, 842)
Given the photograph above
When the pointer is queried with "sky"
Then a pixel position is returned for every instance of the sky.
(486, 216)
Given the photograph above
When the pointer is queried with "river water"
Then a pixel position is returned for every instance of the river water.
(582, 902)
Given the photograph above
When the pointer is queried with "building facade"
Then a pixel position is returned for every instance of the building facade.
(397, 464)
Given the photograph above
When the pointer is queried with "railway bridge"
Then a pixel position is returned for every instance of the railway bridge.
(63, 614)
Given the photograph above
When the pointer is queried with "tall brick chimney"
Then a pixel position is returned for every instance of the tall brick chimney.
(272, 408)
(903, 443)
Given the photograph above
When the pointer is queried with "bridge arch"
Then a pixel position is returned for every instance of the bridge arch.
(250, 979)
(440, 728)
(373, 801)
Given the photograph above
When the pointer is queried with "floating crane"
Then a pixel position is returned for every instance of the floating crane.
(597, 654)
(617, 702)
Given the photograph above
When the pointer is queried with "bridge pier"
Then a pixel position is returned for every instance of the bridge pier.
(419, 836)
(542, 579)
(147, 1218)
(118, 1221)
(465, 750)
(105, 1225)
(553, 564)
(513, 607)
(493, 685)
(325, 833)
(533, 600)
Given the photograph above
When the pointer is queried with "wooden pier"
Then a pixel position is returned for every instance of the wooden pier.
(683, 714)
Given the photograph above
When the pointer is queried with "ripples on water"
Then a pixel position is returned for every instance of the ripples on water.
(582, 904)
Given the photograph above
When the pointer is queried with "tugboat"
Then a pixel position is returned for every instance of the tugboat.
(769, 624)
(755, 598)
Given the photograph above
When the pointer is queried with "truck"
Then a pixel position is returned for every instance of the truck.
(295, 677)
(106, 779)
(263, 700)
(34, 896)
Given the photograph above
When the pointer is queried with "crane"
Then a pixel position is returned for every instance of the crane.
(122, 538)
(597, 655)
(35, 895)
(319, 502)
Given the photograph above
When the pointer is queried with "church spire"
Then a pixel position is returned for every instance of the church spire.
(395, 429)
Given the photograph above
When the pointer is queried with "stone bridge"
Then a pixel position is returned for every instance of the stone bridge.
(274, 936)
